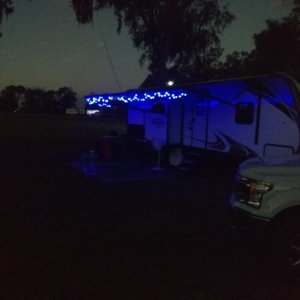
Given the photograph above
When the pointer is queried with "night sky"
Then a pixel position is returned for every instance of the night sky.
(44, 46)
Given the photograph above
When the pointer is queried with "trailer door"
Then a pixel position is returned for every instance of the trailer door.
(188, 121)
(195, 125)
(175, 119)
(200, 122)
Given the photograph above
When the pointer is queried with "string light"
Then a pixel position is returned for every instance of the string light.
(104, 100)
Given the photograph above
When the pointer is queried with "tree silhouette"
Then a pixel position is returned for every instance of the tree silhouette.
(6, 8)
(175, 36)
(277, 48)
(34, 99)
(11, 98)
(49, 102)
(65, 98)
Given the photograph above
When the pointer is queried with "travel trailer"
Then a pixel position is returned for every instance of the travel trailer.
(246, 117)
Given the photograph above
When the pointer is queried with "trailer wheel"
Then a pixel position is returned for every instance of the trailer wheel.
(176, 157)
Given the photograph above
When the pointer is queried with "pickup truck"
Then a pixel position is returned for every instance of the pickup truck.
(267, 194)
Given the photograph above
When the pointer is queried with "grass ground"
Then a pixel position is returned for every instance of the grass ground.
(64, 236)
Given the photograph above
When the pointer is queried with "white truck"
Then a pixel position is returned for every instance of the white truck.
(267, 192)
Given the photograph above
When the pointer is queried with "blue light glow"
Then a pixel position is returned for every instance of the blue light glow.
(272, 89)
(103, 100)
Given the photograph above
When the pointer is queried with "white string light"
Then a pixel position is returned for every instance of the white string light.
(103, 100)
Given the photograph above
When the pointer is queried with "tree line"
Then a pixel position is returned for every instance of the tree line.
(180, 39)
(35, 100)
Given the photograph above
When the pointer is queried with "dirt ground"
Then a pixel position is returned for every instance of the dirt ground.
(65, 236)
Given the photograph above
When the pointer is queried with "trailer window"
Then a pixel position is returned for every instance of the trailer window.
(244, 113)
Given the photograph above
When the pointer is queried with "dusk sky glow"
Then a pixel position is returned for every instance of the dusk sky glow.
(44, 46)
